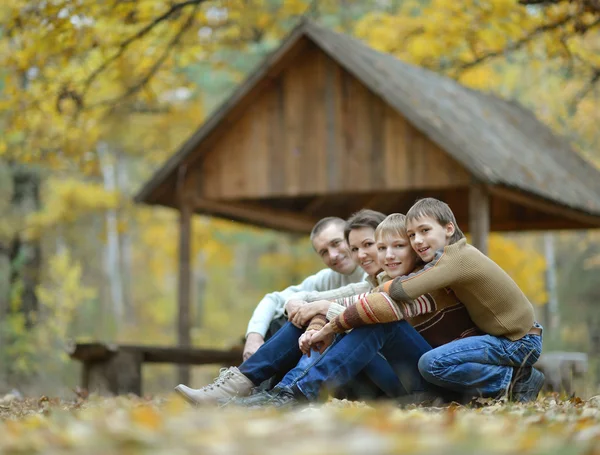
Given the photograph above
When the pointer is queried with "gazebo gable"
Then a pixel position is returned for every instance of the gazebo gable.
(315, 129)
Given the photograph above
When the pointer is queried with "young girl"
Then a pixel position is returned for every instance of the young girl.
(487, 365)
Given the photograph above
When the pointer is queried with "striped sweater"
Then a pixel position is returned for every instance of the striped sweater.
(444, 317)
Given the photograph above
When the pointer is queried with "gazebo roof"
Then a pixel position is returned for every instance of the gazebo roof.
(499, 142)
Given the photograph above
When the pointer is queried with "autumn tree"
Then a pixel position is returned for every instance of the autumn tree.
(96, 95)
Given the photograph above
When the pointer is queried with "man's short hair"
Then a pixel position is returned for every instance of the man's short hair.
(363, 218)
(323, 223)
(439, 211)
(393, 226)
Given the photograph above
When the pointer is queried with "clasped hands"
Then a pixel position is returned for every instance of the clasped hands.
(300, 314)
(319, 340)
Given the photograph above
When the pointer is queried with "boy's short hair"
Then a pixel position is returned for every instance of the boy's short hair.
(363, 218)
(323, 223)
(439, 211)
(393, 226)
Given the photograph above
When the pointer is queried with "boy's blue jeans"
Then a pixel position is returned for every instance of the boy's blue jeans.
(398, 342)
(378, 370)
(479, 365)
(475, 366)
(280, 355)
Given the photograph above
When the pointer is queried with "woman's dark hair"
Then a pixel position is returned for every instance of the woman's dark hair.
(363, 218)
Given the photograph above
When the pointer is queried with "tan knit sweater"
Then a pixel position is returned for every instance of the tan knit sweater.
(494, 301)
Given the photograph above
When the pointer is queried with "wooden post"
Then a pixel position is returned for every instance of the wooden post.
(479, 217)
(185, 273)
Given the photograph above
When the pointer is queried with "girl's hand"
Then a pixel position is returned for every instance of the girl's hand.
(323, 338)
(304, 341)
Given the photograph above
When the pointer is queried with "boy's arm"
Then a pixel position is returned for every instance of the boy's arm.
(317, 323)
(372, 308)
(379, 308)
(441, 272)
(339, 306)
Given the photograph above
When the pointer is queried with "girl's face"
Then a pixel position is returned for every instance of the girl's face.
(363, 250)
(395, 255)
(428, 236)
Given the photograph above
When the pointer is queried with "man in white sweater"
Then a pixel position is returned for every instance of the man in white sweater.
(327, 238)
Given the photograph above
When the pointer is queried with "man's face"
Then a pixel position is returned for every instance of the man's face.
(428, 236)
(333, 249)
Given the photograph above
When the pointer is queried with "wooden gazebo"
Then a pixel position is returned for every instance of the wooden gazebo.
(326, 126)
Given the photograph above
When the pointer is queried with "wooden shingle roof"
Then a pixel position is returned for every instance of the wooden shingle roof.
(499, 142)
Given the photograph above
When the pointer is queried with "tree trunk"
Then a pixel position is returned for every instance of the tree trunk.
(112, 251)
(25, 255)
(125, 244)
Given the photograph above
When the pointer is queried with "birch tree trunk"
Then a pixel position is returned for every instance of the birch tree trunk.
(112, 250)
(125, 243)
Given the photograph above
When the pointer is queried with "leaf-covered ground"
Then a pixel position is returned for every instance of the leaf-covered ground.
(166, 425)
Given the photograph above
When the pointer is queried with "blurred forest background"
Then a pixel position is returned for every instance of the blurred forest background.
(95, 96)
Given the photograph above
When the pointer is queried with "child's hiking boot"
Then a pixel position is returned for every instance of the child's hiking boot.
(231, 383)
(254, 400)
(526, 384)
(278, 397)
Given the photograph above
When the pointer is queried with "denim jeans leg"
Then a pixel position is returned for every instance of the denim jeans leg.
(402, 344)
(300, 369)
(279, 354)
(479, 365)
(381, 373)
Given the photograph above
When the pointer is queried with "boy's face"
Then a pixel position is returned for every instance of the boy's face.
(395, 255)
(428, 236)
(363, 249)
(333, 249)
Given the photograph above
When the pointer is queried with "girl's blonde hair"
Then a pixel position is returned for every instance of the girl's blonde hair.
(393, 225)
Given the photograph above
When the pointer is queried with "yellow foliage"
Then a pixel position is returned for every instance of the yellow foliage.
(60, 297)
(78, 71)
(65, 201)
(525, 265)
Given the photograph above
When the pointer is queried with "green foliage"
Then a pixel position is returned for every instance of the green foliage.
(40, 350)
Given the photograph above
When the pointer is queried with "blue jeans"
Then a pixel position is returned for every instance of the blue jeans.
(398, 342)
(280, 355)
(378, 370)
(479, 365)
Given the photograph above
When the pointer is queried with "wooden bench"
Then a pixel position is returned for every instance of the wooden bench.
(563, 370)
(110, 369)
(117, 369)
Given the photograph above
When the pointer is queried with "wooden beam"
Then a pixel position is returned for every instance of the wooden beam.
(267, 217)
(314, 205)
(186, 210)
(189, 356)
(479, 216)
(543, 205)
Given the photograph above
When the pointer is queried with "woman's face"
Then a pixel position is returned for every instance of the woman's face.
(363, 249)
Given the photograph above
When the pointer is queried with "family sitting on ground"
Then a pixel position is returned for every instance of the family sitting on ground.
(406, 310)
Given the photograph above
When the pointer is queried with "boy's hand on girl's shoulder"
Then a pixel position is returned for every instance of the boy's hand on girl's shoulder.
(323, 338)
